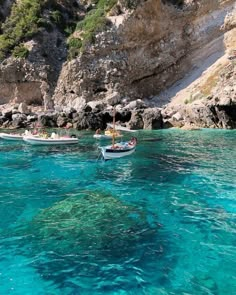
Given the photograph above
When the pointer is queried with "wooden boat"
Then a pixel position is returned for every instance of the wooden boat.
(37, 140)
(118, 150)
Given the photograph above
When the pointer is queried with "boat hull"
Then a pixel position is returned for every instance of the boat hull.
(14, 137)
(108, 153)
(50, 141)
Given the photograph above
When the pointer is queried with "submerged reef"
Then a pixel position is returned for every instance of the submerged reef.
(86, 222)
(91, 224)
(84, 233)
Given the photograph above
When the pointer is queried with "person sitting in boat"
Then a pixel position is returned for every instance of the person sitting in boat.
(54, 135)
(35, 131)
(112, 132)
(133, 141)
(109, 131)
(44, 134)
(98, 131)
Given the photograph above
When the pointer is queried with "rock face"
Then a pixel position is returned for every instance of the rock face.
(148, 51)
(218, 110)
(146, 47)
(33, 80)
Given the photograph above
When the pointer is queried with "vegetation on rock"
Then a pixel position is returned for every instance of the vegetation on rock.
(20, 25)
(94, 21)
(20, 51)
(26, 19)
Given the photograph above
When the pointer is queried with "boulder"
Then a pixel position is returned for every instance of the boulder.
(61, 121)
(7, 114)
(32, 118)
(226, 116)
(6, 124)
(136, 104)
(177, 116)
(47, 120)
(97, 105)
(113, 99)
(90, 121)
(23, 108)
(19, 120)
(136, 120)
(152, 118)
(87, 108)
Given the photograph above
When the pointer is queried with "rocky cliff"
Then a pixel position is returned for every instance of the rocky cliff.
(136, 55)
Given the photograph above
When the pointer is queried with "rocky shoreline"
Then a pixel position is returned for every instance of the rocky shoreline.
(87, 118)
(201, 114)
(217, 110)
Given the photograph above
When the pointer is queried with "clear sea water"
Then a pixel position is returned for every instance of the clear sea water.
(184, 181)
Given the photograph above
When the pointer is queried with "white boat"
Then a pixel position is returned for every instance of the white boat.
(9, 136)
(119, 150)
(50, 141)
(14, 136)
(105, 136)
(121, 128)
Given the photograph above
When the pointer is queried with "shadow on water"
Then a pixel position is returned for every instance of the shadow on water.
(17, 163)
(151, 139)
(10, 148)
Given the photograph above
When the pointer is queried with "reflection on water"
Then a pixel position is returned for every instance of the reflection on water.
(184, 182)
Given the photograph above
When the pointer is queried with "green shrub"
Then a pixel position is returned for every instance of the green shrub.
(74, 42)
(56, 16)
(192, 99)
(20, 51)
(6, 45)
(43, 23)
(23, 20)
(58, 19)
(69, 29)
(20, 25)
(74, 45)
(93, 22)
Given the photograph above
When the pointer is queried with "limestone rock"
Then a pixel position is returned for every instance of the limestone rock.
(152, 118)
(61, 121)
(136, 121)
(23, 108)
(136, 104)
(19, 120)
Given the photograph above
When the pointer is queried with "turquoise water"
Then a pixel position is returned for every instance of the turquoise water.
(185, 182)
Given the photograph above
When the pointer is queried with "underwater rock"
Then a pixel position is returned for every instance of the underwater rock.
(90, 222)
(85, 235)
